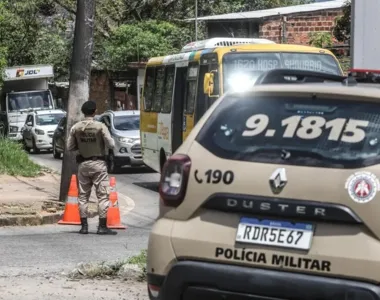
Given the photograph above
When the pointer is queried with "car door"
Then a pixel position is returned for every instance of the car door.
(59, 135)
(28, 129)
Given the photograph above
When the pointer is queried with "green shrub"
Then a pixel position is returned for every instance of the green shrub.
(15, 161)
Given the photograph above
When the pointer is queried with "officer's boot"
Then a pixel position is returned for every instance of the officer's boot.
(84, 229)
(103, 229)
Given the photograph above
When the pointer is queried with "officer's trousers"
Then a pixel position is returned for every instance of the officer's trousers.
(93, 172)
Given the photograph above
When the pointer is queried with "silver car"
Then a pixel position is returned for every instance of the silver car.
(124, 127)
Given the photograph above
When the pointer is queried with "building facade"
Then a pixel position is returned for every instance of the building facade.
(292, 24)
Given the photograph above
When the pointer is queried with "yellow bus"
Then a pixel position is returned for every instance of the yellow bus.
(179, 88)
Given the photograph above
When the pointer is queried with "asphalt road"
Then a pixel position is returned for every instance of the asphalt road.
(52, 249)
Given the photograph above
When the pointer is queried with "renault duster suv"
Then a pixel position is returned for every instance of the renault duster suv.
(274, 195)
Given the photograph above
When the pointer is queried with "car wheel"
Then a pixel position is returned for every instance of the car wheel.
(111, 163)
(35, 149)
(25, 146)
(2, 130)
(56, 154)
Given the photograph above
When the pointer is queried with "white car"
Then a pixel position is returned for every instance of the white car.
(124, 127)
(39, 128)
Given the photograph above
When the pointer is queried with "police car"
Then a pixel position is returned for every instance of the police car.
(274, 195)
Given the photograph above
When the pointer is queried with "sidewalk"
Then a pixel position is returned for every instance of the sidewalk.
(33, 201)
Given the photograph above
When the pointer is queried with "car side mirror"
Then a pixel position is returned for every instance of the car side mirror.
(208, 84)
(29, 124)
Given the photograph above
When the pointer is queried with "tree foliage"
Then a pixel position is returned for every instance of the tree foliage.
(40, 31)
(138, 42)
(342, 30)
(28, 38)
(321, 39)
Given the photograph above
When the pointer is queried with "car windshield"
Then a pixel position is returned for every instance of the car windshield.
(48, 119)
(24, 101)
(294, 130)
(241, 69)
(124, 123)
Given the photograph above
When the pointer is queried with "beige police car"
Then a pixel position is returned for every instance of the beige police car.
(274, 195)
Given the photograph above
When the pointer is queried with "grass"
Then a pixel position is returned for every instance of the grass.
(110, 270)
(15, 161)
(139, 259)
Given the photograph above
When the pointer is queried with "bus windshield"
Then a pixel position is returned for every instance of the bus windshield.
(25, 100)
(245, 68)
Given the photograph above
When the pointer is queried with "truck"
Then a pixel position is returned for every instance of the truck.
(365, 42)
(25, 88)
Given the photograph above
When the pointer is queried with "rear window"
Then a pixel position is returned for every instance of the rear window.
(294, 130)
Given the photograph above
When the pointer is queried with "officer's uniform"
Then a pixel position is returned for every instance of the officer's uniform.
(91, 138)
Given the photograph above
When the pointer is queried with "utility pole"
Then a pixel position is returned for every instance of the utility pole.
(196, 20)
(79, 90)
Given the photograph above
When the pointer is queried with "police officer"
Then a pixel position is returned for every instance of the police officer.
(91, 138)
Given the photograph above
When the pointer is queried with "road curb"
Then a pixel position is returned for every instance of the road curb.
(126, 205)
(29, 220)
(36, 219)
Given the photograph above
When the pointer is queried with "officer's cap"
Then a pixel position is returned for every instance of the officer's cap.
(89, 108)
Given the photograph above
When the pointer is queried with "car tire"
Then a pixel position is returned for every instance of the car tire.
(56, 154)
(2, 130)
(35, 149)
(25, 146)
(111, 166)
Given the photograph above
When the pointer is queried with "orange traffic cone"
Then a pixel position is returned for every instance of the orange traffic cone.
(71, 215)
(113, 214)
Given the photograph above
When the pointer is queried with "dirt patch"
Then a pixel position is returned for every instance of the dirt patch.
(47, 288)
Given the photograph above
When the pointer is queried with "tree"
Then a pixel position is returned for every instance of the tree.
(29, 38)
(3, 49)
(80, 73)
(142, 40)
(342, 29)
(52, 48)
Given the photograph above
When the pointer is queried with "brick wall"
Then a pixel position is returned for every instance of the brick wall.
(298, 26)
(100, 90)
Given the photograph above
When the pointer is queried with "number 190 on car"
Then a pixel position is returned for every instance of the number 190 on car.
(275, 233)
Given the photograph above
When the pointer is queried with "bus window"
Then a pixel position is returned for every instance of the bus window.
(158, 91)
(168, 90)
(149, 88)
(191, 87)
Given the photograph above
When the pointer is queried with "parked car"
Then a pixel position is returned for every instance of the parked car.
(59, 138)
(124, 127)
(39, 127)
(273, 195)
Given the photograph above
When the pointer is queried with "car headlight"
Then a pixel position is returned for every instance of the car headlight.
(13, 128)
(39, 131)
(125, 140)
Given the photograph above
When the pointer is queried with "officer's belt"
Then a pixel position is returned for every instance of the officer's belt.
(94, 158)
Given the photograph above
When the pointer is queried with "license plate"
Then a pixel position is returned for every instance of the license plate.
(275, 233)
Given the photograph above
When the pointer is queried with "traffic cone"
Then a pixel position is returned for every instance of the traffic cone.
(113, 214)
(71, 215)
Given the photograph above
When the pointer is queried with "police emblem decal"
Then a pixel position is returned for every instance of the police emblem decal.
(362, 187)
(278, 180)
